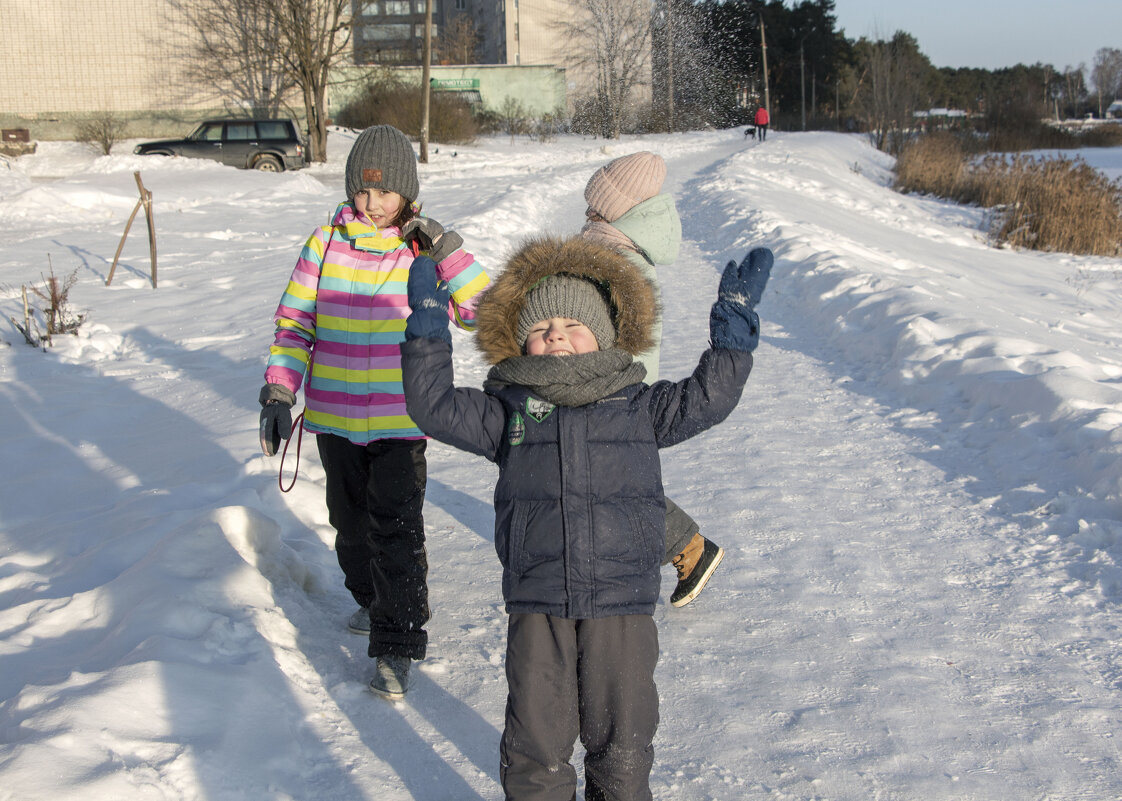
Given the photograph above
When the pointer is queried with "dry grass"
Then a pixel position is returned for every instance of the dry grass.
(1061, 205)
(935, 164)
(1106, 135)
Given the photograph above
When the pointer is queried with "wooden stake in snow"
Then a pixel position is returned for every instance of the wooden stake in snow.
(146, 202)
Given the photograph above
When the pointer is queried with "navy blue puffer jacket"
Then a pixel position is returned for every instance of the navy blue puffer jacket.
(579, 509)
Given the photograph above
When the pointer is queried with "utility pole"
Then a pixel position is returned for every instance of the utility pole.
(670, 65)
(763, 51)
(426, 57)
(802, 80)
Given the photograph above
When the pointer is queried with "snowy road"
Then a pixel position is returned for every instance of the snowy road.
(919, 496)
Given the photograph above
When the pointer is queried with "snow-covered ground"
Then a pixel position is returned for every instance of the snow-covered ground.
(919, 495)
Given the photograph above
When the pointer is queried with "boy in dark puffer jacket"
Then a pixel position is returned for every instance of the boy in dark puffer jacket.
(579, 509)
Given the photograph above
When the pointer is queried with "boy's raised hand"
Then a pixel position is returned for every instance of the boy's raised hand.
(744, 283)
(733, 322)
(428, 300)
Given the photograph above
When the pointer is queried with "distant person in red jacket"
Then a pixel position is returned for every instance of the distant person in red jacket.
(762, 120)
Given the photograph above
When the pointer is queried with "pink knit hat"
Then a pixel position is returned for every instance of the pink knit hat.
(619, 185)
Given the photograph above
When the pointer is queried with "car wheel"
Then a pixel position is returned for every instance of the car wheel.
(268, 164)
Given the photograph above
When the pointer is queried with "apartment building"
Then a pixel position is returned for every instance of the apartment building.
(65, 60)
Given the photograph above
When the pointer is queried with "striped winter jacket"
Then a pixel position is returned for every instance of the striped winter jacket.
(343, 313)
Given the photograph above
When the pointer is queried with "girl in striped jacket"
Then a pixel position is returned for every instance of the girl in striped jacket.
(339, 329)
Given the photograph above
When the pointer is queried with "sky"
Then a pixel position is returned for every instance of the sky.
(919, 495)
(992, 33)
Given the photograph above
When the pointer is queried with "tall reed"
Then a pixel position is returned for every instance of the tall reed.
(1051, 204)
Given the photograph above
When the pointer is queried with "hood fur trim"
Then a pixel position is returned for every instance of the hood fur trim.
(634, 307)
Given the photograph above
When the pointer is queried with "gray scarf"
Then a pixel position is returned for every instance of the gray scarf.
(568, 380)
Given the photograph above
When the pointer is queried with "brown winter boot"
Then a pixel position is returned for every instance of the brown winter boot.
(695, 564)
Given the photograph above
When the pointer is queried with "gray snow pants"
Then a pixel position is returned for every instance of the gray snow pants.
(592, 678)
(680, 528)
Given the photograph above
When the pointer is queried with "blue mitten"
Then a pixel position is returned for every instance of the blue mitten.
(428, 300)
(733, 322)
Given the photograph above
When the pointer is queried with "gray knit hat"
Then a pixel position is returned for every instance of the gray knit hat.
(572, 297)
(382, 158)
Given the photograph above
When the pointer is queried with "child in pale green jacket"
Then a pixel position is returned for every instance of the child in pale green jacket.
(627, 212)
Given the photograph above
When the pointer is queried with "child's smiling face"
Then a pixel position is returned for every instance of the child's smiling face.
(379, 205)
(560, 336)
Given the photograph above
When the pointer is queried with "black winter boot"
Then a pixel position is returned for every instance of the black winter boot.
(695, 564)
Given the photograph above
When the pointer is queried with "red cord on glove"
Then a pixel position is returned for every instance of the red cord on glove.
(287, 442)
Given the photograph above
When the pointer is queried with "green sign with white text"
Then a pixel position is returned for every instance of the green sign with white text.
(454, 84)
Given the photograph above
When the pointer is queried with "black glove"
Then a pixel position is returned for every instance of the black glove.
(428, 300)
(276, 416)
(432, 237)
(733, 322)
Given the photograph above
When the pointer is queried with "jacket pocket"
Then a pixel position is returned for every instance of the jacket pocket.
(535, 536)
(633, 533)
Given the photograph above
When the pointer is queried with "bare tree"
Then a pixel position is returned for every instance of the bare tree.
(313, 34)
(1106, 74)
(679, 89)
(261, 50)
(1074, 90)
(458, 41)
(889, 87)
(231, 54)
(611, 39)
(513, 117)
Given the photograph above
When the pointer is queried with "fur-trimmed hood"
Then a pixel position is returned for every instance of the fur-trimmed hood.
(634, 307)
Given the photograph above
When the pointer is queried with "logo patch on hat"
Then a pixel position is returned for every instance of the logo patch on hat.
(538, 410)
(371, 176)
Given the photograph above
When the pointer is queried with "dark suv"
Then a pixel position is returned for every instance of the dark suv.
(270, 145)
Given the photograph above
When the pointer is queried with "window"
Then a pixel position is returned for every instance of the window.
(370, 9)
(385, 33)
(398, 7)
(240, 131)
(211, 132)
(461, 5)
(273, 129)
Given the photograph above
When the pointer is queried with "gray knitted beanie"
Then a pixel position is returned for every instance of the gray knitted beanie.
(572, 297)
(382, 158)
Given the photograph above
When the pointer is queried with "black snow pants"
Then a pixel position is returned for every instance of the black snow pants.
(375, 496)
(592, 678)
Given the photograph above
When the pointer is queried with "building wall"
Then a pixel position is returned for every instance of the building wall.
(70, 59)
(540, 90)
(531, 31)
(534, 37)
